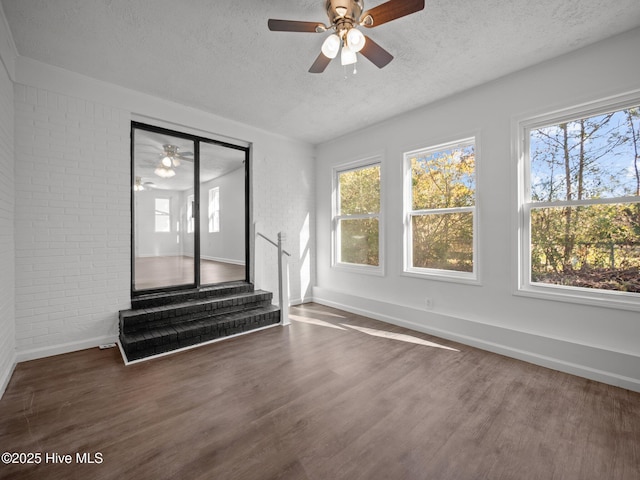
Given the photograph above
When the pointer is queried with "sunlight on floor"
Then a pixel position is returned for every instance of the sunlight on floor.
(398, 336)
(314, 321)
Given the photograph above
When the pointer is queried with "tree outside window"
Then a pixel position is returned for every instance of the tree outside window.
(440, 198)
(583, 205)
(357, 216)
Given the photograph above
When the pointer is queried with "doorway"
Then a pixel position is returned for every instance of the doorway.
(190, 198)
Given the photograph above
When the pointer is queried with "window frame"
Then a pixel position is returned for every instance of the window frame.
(191, 221)
(214, 210)
(523, 286)
(378, 270)
(161, 213)
(408, 269)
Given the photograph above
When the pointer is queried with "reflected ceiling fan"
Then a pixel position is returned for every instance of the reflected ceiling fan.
(170, 158)
(344, 18)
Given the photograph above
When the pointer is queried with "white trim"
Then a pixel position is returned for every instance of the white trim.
(4, 381)
(521, 126)
(49, 351)
(189, 347)
(223, 260)
(616, 368)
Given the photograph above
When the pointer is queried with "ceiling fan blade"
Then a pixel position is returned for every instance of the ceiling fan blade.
(320, 64)
(374, 52)
(293, 26)
(391, 10)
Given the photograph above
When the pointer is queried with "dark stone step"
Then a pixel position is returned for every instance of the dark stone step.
(135, 320)
(165, 339)
(151, 300)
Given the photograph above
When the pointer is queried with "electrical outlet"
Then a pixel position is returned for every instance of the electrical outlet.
(428, 303)
(107, 345)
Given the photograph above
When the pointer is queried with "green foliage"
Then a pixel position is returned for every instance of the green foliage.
(592, 158)
(443, 180)
(360, 194)
(359, 242)
(360, 191)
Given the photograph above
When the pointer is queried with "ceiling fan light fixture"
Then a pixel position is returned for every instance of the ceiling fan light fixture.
(166, 161)
(348, 56)
(355, 39)
(342, 11)
(164, 172)
(331, 46)
(138, 186)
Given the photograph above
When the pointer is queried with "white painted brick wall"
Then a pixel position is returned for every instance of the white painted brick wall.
(7, 246)
(72, 212)
(284, 200)
(72, 220)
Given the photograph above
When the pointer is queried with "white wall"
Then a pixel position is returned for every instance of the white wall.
(150, 243)
(225, 245)
(7, 206)
(595, 342)
(72, 196)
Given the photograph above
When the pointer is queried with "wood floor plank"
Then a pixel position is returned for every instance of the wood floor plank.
(332, 396)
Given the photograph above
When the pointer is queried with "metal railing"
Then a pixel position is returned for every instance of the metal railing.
(283, 277)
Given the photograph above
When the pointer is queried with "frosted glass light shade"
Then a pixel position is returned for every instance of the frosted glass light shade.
(348, 56)
(331, 46)
(164, 172)
(355, 39)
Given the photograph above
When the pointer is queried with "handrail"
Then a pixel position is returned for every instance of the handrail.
(273, 243)
(284, 307)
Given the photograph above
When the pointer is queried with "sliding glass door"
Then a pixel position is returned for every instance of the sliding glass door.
(189, 210)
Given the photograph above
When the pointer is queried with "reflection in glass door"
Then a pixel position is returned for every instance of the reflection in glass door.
(222, 214)
(163, 170)
(189, 219)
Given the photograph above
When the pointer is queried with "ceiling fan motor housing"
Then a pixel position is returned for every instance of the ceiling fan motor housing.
(344, 14)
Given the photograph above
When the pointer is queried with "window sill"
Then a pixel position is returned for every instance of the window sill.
(443, 276)
(582, 296)
(355, 268)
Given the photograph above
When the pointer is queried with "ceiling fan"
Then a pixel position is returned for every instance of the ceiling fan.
(170, 158)
(344, 18)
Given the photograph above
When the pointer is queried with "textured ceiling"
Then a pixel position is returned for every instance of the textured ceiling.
(219, 56)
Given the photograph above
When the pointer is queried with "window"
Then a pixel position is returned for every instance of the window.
(190, 219)
(580, 197)
(163, 215)
(356, 226)
(440, 211)
(214, 210)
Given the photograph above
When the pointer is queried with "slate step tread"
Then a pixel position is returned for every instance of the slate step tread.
(195, 305)
(166, 298)
(163, 339)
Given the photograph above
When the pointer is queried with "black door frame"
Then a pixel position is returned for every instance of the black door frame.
(196, 247)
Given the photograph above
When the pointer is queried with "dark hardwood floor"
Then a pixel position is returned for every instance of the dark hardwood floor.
(332, 396)
(158, 272)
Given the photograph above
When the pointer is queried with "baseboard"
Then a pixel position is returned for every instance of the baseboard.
(35, 353)
(611, 367)
(6, 378)
(223, 260)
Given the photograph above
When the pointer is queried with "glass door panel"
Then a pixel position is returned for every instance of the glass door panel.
(163, 209)
(222, 216)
